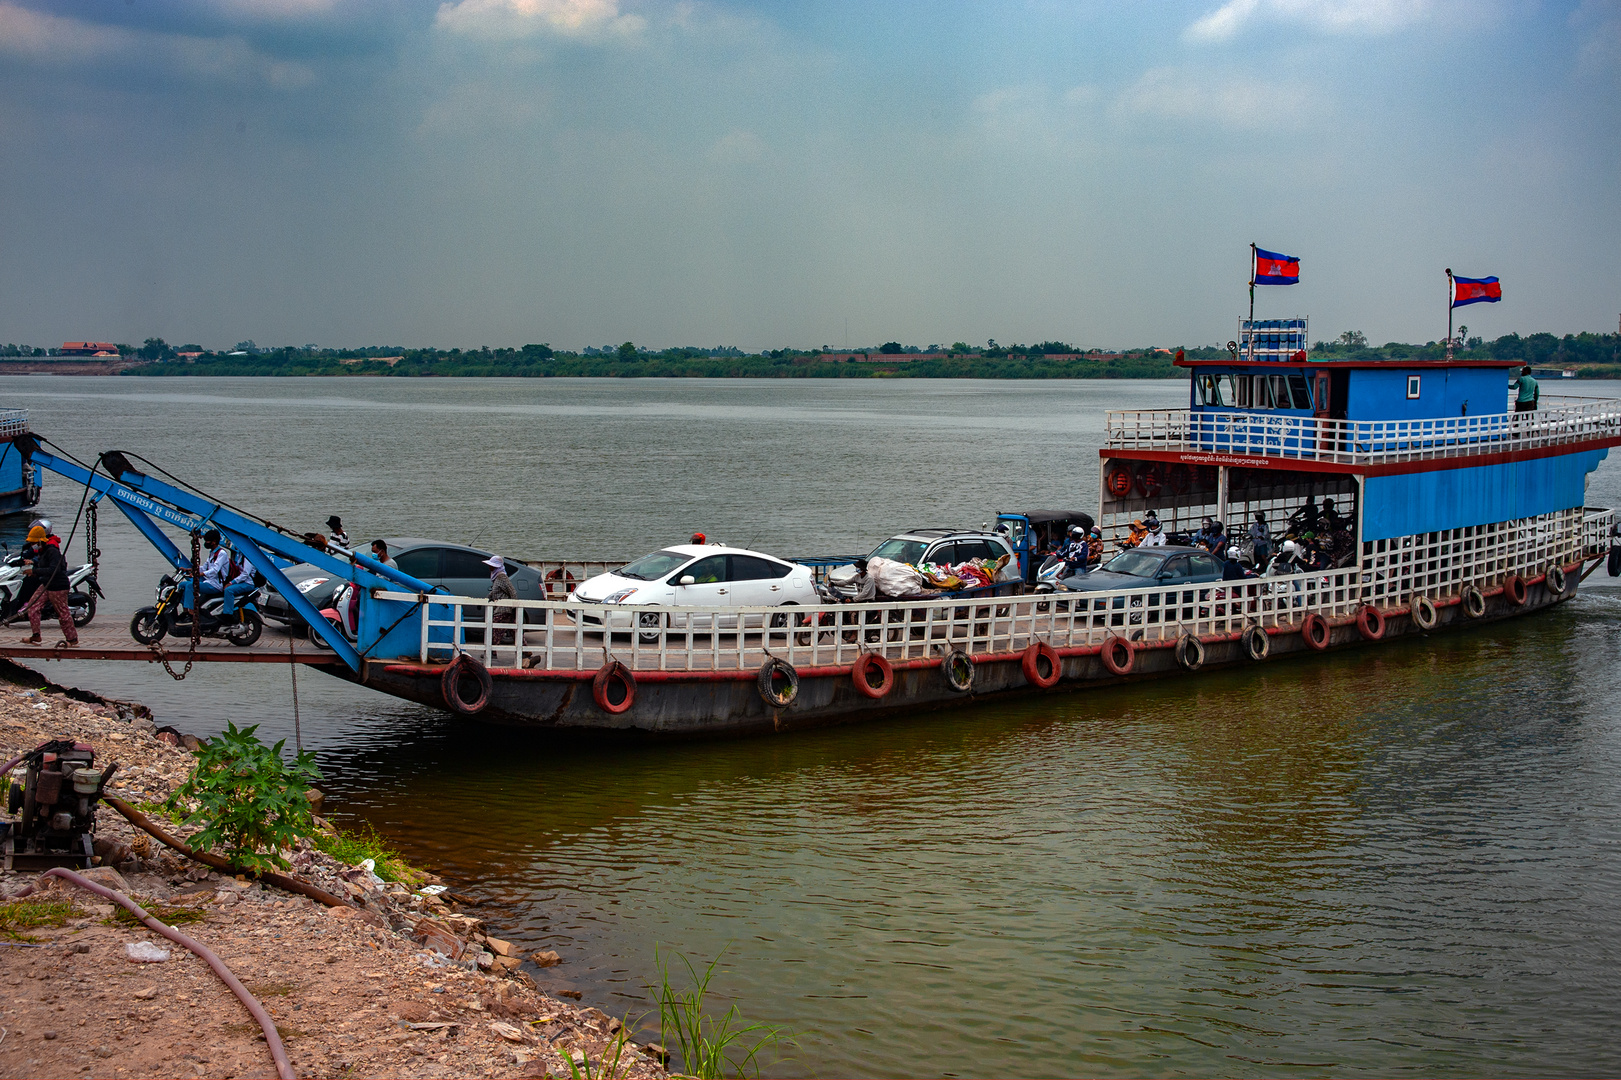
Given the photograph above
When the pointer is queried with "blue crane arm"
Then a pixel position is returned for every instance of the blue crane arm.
(143, 499)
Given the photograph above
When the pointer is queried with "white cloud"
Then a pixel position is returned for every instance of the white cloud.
(1324, 16)
(1238, 102)
(58, 40)
(505, 19)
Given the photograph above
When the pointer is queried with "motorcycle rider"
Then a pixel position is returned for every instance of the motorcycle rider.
(215, 569)
(1286, 561)
(239, 582)
(1076, 553)
(1156, 533)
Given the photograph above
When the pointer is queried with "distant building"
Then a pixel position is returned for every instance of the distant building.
(189, 355)
(88, 348)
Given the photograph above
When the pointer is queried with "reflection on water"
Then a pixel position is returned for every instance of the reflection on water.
(1398, 860)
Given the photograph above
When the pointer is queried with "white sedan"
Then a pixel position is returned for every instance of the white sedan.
(699, 576)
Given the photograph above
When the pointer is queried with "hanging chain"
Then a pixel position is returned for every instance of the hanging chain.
(90, 541)
(196, 614)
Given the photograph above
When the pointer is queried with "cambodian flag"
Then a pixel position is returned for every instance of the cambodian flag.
(1468, 290)
(1274, 269)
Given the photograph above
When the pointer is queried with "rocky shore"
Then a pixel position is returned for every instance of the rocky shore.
(399, 982)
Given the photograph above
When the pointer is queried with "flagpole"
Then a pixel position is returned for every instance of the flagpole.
(1452, 295)
(1251, 339)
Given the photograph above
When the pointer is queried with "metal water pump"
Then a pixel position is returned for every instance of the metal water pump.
(56, 796)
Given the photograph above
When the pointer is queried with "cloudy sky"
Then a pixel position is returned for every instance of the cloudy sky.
(585, 172)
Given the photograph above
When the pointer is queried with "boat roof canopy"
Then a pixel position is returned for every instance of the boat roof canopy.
(1038, 517)
(1389, 365)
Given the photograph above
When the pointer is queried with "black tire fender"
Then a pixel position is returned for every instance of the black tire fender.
(958, 668)
(1190, 652)
(451, 683)
(770, 671)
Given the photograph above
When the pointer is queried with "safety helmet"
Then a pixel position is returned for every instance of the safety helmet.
(211, 537)
(1153, 524)
(44, 523)
(1076, 530)
(1291, 548)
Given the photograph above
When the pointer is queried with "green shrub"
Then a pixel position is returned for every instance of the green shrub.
(250, 802)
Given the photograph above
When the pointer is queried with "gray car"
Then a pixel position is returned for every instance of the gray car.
(1141, 567)
(460, 570)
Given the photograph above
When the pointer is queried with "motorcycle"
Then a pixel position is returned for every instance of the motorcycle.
(172, 615)
(82, 590)
(343, 615)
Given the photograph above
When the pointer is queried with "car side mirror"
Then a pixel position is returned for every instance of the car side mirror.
(688, 579)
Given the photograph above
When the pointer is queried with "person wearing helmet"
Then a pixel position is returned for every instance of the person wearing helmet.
(50, 572)
(1156, 533)
(698, 538)
(1076, 554)
(1287, 561)
(216, 567)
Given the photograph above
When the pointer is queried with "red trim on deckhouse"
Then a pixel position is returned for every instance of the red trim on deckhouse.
(1389, 468)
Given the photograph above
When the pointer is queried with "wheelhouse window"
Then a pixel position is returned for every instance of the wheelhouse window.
(1412, 387)
(1253, 391)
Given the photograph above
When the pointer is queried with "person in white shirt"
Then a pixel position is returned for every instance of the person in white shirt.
(1156, 534)
(216, 565)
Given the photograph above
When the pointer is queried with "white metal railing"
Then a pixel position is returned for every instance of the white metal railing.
(560, 636)
(13, 422)
(1360, 442)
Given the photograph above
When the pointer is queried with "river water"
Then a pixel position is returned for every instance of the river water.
(1400, 860)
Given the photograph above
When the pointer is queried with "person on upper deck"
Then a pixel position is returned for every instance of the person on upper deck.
(1529, 392)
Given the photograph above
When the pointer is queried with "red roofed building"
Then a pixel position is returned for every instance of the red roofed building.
(88, 348)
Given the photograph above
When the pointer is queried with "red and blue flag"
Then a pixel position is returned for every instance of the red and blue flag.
(1468, 290)
(1274, 269)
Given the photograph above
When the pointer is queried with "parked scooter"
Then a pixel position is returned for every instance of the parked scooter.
(82, 590)
(172, 615)
(343, 615)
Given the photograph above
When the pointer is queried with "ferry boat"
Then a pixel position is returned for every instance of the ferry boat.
(19, 479)
(1459, 511)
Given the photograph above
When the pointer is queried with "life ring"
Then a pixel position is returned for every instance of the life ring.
(1370, 622)
(1555, 579)
(1315, 631)
(611, 675)
(860, 674)
(767, 682)
(451, 685)
(1257, 646)
(1119, 481)
(1190, 652)
(1474, 602)
(1424, 614)
(559, 583)
(1034, 672)
(1514, 589)
(1118, 654)
(958, 668)
(1148, 480)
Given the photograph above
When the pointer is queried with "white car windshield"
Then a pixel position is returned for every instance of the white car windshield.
(906, 551)
(654, 566)
(1136, 563)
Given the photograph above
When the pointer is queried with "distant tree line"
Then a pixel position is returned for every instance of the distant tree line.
(1591, 355)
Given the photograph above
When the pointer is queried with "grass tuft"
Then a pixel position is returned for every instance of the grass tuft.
(169, 916)
(351, 847)
(34, 913)
(710, 1046)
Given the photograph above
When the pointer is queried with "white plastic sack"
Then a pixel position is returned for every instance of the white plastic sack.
(895, 579)
(144, 952)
